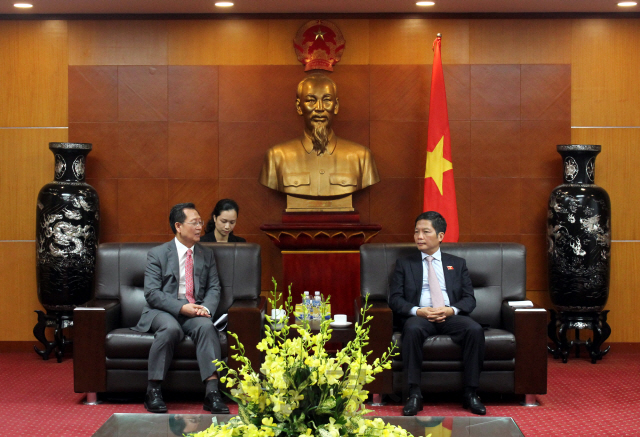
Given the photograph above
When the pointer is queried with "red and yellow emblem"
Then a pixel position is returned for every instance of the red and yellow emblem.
(319, 45)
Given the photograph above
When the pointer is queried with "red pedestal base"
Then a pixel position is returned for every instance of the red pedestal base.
(320, 252)
(335, 274)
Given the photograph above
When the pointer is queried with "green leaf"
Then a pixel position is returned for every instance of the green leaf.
(328, 403)
(244, 414)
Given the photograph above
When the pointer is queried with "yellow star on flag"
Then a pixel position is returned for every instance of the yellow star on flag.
(437, 165)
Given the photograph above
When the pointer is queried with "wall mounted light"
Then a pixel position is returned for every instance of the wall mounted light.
(627, 4)
(22, 5)
(224, 4)
(425, 3)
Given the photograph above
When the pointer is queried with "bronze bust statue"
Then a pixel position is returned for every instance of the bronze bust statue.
(318, 170)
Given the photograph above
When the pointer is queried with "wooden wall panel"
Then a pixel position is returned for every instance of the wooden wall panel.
(18, 294)
(33, 73)
(537, 277)
(218, 42)
(371, 96)
(520, 41)
(357, 35)
(409, 41)
(280, 50)
(624, 299)
(253, 42)
(599, 96)
(117, 42)
(540, 298)
(617, 172)
(605, 64)
(26, 165)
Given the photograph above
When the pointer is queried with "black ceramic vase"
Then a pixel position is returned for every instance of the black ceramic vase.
(579, 234)
(67, 231)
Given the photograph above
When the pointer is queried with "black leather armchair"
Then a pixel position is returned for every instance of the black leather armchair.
(515, 339)
(110, 357)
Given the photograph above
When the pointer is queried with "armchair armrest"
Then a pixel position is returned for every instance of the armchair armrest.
(529, 325)
(379, 340)
(91, 324)
(246, 319)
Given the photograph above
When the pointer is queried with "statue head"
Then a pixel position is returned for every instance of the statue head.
(317, 101)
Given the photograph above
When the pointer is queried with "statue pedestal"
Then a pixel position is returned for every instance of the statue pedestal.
(321, 252)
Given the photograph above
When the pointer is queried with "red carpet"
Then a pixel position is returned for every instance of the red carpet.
(37, 398)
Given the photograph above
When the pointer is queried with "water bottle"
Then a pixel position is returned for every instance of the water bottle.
(306, 301)
(317, 303)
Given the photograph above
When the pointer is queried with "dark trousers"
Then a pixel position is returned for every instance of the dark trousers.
(169, 331)
(463, 330)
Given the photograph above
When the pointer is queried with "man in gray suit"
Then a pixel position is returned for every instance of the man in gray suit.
(182, 290)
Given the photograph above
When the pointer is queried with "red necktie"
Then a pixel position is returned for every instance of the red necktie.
(437, 299)
(188, 277)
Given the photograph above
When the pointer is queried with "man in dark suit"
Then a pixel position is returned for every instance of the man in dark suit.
(430, 294)
(182, 290)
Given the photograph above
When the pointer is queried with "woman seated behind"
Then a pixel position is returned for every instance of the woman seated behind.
(223, 220)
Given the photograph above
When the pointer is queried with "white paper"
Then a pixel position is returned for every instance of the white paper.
(520, 303)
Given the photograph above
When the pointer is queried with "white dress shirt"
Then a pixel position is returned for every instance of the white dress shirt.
(425, 297)
(182, 258)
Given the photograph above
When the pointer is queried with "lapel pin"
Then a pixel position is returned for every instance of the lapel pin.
(449, 267)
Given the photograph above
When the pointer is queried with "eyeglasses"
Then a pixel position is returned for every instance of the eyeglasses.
(195, 224)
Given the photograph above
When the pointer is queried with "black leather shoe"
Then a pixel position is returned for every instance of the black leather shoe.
(213, 402)
(473, 403)
(153, 401)
(413, 405)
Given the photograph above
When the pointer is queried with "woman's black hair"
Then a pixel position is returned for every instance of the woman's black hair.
(222, 205)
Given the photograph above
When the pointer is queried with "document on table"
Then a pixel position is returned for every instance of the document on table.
(520, 303)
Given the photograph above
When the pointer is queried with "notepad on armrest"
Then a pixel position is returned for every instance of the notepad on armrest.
(520, 303)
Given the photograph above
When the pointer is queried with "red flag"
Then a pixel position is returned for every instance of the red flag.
(439, 189)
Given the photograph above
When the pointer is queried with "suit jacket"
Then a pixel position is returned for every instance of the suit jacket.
(406, 285)
(210, 237)
(162, 277)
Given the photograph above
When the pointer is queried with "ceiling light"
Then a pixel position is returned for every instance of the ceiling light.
(22, 5)
(425, 3)
(224, 4)
(627, 4)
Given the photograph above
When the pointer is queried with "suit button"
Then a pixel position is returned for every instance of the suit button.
(321, 171)
(295, 182)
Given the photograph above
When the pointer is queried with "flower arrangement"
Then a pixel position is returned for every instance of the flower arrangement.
(301, 390)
